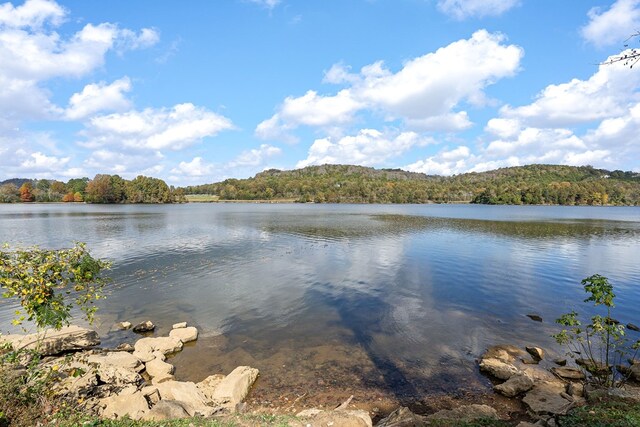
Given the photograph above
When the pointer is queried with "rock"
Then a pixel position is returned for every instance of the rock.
(537, 373)
(635, 371)
(146, 326)
(466, 413)
(166, 410)
(527, 424)
(514, 386)
(505, 353)
(402, 417)
(575, 389)
(498, 368)
(162, 379)
(627, 392)
(151, 393)
(560, 361)
(179, 325)
(145, 347)
(158, 368)
(235, 386)
(568, 373)
(125, 346)
(341, 418)
(189, 396)
(633, 327)
(134, 405)
(208, 386)
(529, 361)
(52, 342)
(119, 359)
(592, 365)
(535, 352)
(185, 334)
(535, 317)
(122, 326)
(77, 387)
(545, 398)
(611, 321)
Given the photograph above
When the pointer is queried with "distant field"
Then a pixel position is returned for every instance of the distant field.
(202, 198)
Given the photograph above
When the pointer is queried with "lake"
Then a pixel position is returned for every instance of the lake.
(381, 301)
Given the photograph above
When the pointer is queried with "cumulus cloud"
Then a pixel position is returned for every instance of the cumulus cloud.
(425, 93)
(195, 168)
(604, 94)
(255, 157)
(614, 25)
(38, 162)
(155, 129)
(463, 9)
(98, 97)
(368, 148)
(33, 13)
(446, 162)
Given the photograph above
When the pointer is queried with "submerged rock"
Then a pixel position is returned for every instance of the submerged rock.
(122, 326)
(633, 327)
(535, 317)
(498, 368)
(505, 353)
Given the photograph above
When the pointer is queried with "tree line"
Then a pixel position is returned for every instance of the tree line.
(532, 184)
(101, 189)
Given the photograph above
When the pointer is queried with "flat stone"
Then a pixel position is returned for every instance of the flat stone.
(568, 373)
(535, 317)
(158, 368)
(466, 413)
(119, 359)
(514, 386)
(179, 325)
(166, 410)
(208, 386)
(498, 368)
(402, 417)
(125, 346)
(52, 342)
(146, 326)
(235, 386)
(185, 334)
(633, 327)
(134, 405)
(545, 399)
(560, 361)
(535, 352)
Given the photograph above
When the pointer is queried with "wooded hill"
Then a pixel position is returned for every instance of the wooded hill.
(532, 184)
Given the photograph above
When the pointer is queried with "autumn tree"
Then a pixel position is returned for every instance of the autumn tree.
(26, 192)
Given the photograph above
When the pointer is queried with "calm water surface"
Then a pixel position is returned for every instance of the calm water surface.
(388, 300)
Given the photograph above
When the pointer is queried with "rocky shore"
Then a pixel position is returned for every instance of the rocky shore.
(138, 381)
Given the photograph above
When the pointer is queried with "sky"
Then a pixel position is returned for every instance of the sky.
(199, 91)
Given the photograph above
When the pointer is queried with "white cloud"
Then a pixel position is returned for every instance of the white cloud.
(33, 13)
(38, 162)
(97, 97)
(369, 147)
(126, 164)
(195, 168)
(255, 157)
(463, 9)
(614, 25)
(604, 94)
(425, 93)
(446, 162)
(155, 129)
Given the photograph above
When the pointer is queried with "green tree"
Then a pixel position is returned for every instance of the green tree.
(48, 283)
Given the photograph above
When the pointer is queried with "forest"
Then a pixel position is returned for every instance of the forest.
(532, 185)
(100, 189)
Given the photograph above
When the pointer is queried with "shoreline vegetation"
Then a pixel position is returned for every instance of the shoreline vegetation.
(521, 185)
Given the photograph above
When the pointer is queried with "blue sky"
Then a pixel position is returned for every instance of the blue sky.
(198, 91)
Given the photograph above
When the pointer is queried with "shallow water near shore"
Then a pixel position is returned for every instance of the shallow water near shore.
(389, 303)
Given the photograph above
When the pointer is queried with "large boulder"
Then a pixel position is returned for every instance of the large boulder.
(52, 342)
(187, 394)
(466, 413)
(158, 368)
(208, 386)
(235, 386)
(118, 359)
(498, 368)
(185, 334)
(515, 385)
(547, 399)
(134, 405)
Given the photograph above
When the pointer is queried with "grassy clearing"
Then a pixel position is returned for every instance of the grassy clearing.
(610, 413)
(201, 198)
(229, 421)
